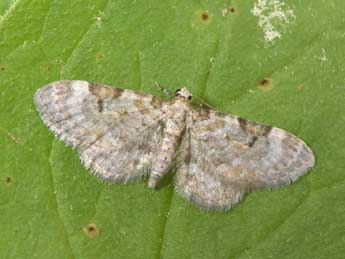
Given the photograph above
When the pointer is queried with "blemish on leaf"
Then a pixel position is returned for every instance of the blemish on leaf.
(15, 138)
(99, 18)
(2, 67)
(202, 17)
(205, 16)
(265, 84)
(47, 67)
(300, 88)
(273, 16)
(12, 136)
(8, 179)
(99, 55)
(91, 230)
(323, 57)
(227, 10)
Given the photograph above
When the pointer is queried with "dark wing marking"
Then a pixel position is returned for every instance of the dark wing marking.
(116, 131)
(226, 156)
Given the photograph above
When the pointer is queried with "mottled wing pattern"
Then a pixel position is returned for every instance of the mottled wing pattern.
(116, 131)
(225, 156)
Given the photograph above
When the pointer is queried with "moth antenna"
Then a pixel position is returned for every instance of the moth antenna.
(204, 103)
(165, 91)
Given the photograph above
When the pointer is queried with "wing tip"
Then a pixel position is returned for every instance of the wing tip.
(305, 154)
(43, 99)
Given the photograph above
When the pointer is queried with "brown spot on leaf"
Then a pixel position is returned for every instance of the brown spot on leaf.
(227, 10)
(265, 84)
(300, 88)
(47, 67)
(15, 138)
(8, 179)
(205, 16)
(91, 230)
(99, 55)
(232, 9)
(2, 67)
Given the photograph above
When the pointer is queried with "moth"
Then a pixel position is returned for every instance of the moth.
(124, 136)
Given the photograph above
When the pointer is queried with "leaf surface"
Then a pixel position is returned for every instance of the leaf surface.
(51, 207)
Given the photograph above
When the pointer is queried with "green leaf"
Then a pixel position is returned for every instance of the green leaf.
(5, 5)
(51, 207)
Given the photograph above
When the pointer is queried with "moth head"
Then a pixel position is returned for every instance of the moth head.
(183, 92)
